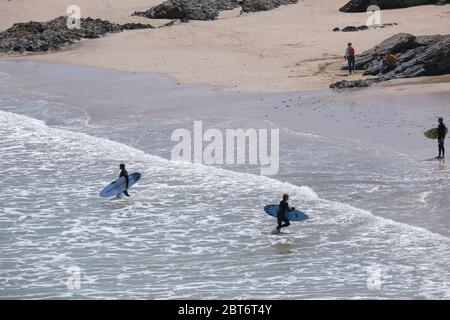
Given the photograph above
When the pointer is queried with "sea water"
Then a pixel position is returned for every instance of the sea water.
(378, 224)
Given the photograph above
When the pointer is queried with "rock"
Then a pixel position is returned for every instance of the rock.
(344, 84)
(136, 26)
(263, 5)
(54, 34)
(350, 29)
(188, 9)
(417, 57)
(399, 43)
(361, 28)
(207, 9)
(362, 5)
(227, 4)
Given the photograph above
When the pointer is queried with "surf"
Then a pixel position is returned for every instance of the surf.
(306, 193)
(219, 226)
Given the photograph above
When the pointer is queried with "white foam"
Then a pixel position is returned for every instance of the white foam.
(142, 231)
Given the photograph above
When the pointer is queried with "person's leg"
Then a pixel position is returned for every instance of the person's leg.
(353, 63)
(349, 60)
(390, 66)
(443, 149)
(384, 66)
(280, 221)
(126, 193)
(286, 223)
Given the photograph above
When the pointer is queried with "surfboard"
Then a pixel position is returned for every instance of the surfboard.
(432, 133)
(295, 215)
(118, 186)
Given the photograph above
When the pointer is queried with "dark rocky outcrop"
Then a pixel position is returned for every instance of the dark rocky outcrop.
(206, 9)
(264, 5)
(188, 9)
(353, 28)
(362, 5)
(344, 84)
(417, 56)
(363, 27)
(54, 34)
(228, 4)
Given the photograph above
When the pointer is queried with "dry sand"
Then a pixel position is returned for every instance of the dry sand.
(287, 49)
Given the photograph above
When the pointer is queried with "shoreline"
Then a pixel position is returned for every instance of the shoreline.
(398, 92)
(339, 171)
(403, 83)
(282, 50)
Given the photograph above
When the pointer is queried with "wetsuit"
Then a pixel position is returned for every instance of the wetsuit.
(442, 132)
(124, 173)
(282, 211)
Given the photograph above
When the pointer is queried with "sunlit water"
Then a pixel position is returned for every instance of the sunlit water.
(377, 226)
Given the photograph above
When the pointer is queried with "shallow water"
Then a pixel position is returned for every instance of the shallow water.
(378, 224)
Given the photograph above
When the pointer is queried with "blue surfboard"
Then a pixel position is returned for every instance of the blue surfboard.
(118, 186)
(294, 215)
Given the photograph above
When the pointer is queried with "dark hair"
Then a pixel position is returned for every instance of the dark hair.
(285, 196)
(440, 120)
(122, 166)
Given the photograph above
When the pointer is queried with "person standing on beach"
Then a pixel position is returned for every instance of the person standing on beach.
(442, 132)
(350, 57)
(124, 173)
(282, 211)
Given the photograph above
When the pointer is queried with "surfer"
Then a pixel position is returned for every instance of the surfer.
(124, 173)
(283, 209)
(442, 132)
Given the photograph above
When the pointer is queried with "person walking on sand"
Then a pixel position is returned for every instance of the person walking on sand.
(442, 132)
(282, 213)
(350, 57)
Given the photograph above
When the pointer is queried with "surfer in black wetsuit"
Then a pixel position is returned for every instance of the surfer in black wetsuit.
(442, 132)
(282, 211)
(124, 173)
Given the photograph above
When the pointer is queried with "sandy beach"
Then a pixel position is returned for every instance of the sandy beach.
(287, 49)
